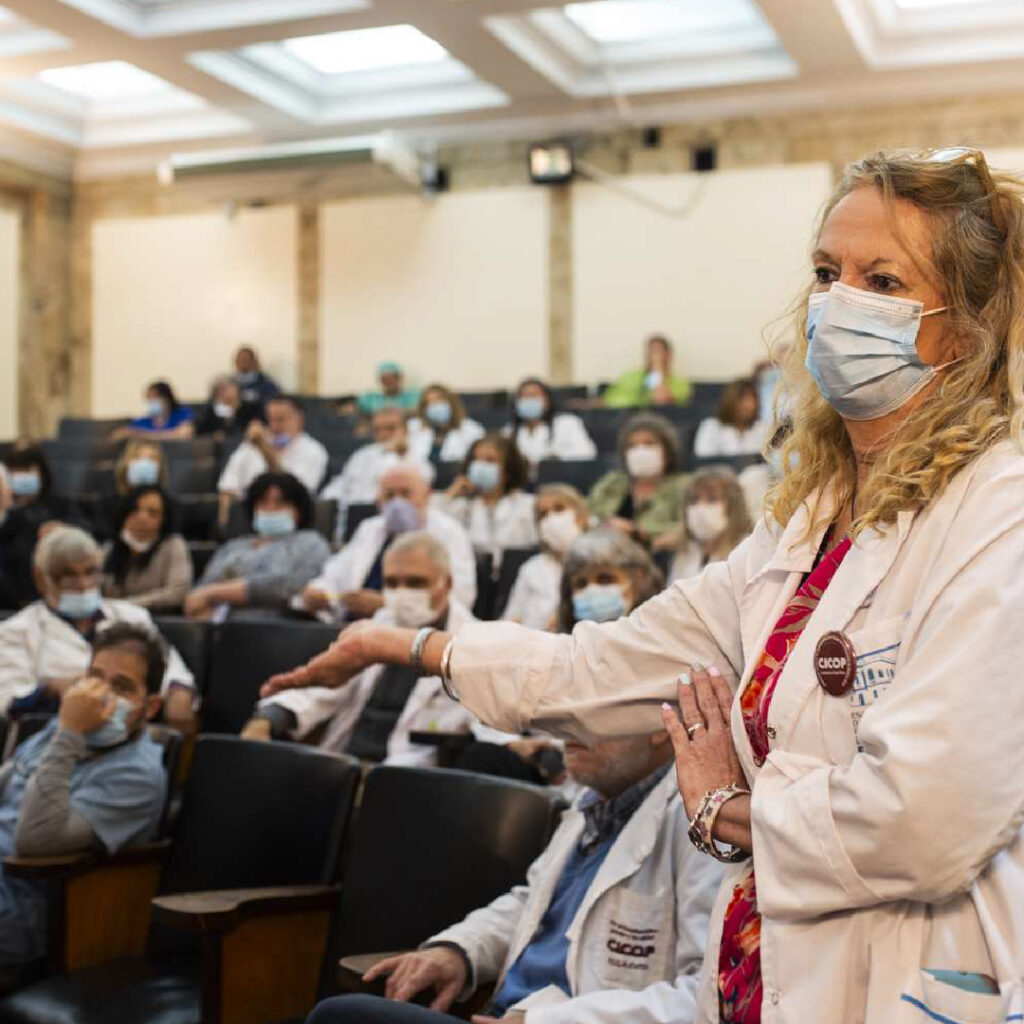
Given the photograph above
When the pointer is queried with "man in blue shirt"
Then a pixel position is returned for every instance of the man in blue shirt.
(91, 779)
(610, 927)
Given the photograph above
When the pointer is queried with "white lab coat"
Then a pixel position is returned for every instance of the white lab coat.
(37, 644)
(347, 570)
(566, 438)
(508, 523)
(305, 458)
(652, 881)
(428, 709)
(536, 592)
(359, 482)
(715, 438)
(886, 822)
(457, 441)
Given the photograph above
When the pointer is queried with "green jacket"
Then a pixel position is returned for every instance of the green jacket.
(662, 513)
(630, 390)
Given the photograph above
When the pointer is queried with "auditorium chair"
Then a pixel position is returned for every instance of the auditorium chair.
(355, 515)
(486, 582)
(197, 515)
(248, 650)
(75, 428)
(201, 551)
(428, 846)
(445, 474)
(512, 560)
(192, 639)
(192, 476)
(581, 474)
(255, 815)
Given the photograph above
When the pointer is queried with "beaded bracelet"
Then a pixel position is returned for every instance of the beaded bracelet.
(700, 831)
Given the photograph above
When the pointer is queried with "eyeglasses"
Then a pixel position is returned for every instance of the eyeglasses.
(974, 157)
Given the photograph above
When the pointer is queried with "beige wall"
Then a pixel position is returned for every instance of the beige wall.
(455, 288)
(711, 279)
(10, 288)
(173, 297)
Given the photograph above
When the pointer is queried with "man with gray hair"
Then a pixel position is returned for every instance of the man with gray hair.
(46, 647)
(349, 585)
(373, 717)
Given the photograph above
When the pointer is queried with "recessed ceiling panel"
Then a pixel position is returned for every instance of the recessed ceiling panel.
(368, 49)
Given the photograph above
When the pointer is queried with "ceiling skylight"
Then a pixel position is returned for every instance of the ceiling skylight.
(107, 80)
(923, 5)
(367, 49)
(611, 22)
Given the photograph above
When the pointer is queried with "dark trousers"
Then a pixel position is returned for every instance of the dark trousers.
(375, 1010)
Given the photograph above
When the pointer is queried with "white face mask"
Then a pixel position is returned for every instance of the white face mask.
(645, 460)
(706, 520)
(559, 530)
(134, 544)
(410, 607)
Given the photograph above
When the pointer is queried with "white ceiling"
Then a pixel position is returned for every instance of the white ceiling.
(108, 87)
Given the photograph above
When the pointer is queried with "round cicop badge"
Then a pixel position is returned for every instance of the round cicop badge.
(835, 663)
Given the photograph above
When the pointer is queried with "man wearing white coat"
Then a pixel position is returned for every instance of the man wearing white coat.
(351, 579)
(610, 926)
(373, 719)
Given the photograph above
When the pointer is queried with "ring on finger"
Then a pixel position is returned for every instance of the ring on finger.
(691, 729)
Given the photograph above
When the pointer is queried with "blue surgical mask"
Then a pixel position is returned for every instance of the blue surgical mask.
(79, 604)
(400, 516)
(530, 407)
(439, 413)
(599, 602)
(142, 471)
(115, 729)
(156, 408)
(274, 524)
(862, 350)
(484, 476)
(246, 379)
(280, 441)
(25, 485)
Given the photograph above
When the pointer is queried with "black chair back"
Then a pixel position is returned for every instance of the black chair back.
(201, 551)
(355, 515)
(512, 560)
(245, 654)
(192, 477)
(486, 583)
(192, 641)
(171, 741)
(257, 814)
(429, 846)
(197, 516)
(445, 474)
(582, 474)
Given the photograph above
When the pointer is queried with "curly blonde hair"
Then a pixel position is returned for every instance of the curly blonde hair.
(978, 258)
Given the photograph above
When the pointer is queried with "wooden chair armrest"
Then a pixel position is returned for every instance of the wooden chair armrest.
(70, 865)
(352, 968)
(221, 910)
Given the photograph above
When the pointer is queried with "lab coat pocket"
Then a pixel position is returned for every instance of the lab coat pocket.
(633, 938)
(939, 1000)
(876, 647)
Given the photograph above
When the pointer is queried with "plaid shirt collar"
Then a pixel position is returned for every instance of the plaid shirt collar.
(604, 819)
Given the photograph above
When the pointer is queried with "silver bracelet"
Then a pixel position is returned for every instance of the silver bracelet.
(419, 641)
(446, 672)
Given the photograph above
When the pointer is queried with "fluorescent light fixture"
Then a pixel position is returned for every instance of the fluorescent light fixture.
(107, 80)
(366, 49)
(611, 22)
(551, 163)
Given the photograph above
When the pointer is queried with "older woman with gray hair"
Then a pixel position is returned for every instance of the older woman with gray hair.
(46, 647)
(644, 498)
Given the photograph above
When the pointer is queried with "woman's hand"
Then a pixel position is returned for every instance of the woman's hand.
(347, 656)
(705, 755)
(460, 488)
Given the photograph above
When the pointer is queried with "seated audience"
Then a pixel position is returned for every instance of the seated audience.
(359, 481)
(147, 563)
(270, 566)
(606, 576)
(654, 384)
(490, 499)
(256, 387)
(715, 520)
(92, 779)
(372, 717)
(644, 498)
(45, 648)
(350, 584)
(282, 446)
(166, 418)
(611, 924)
(225, 412)
(142, 463)
(441, 431)
(542, 432)
(34, 510)
(392, 391)
(736, 429)
(562, 515)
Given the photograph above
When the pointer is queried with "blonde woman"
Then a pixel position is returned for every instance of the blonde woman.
(715, 520)
(865, 782)
(141, 464)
